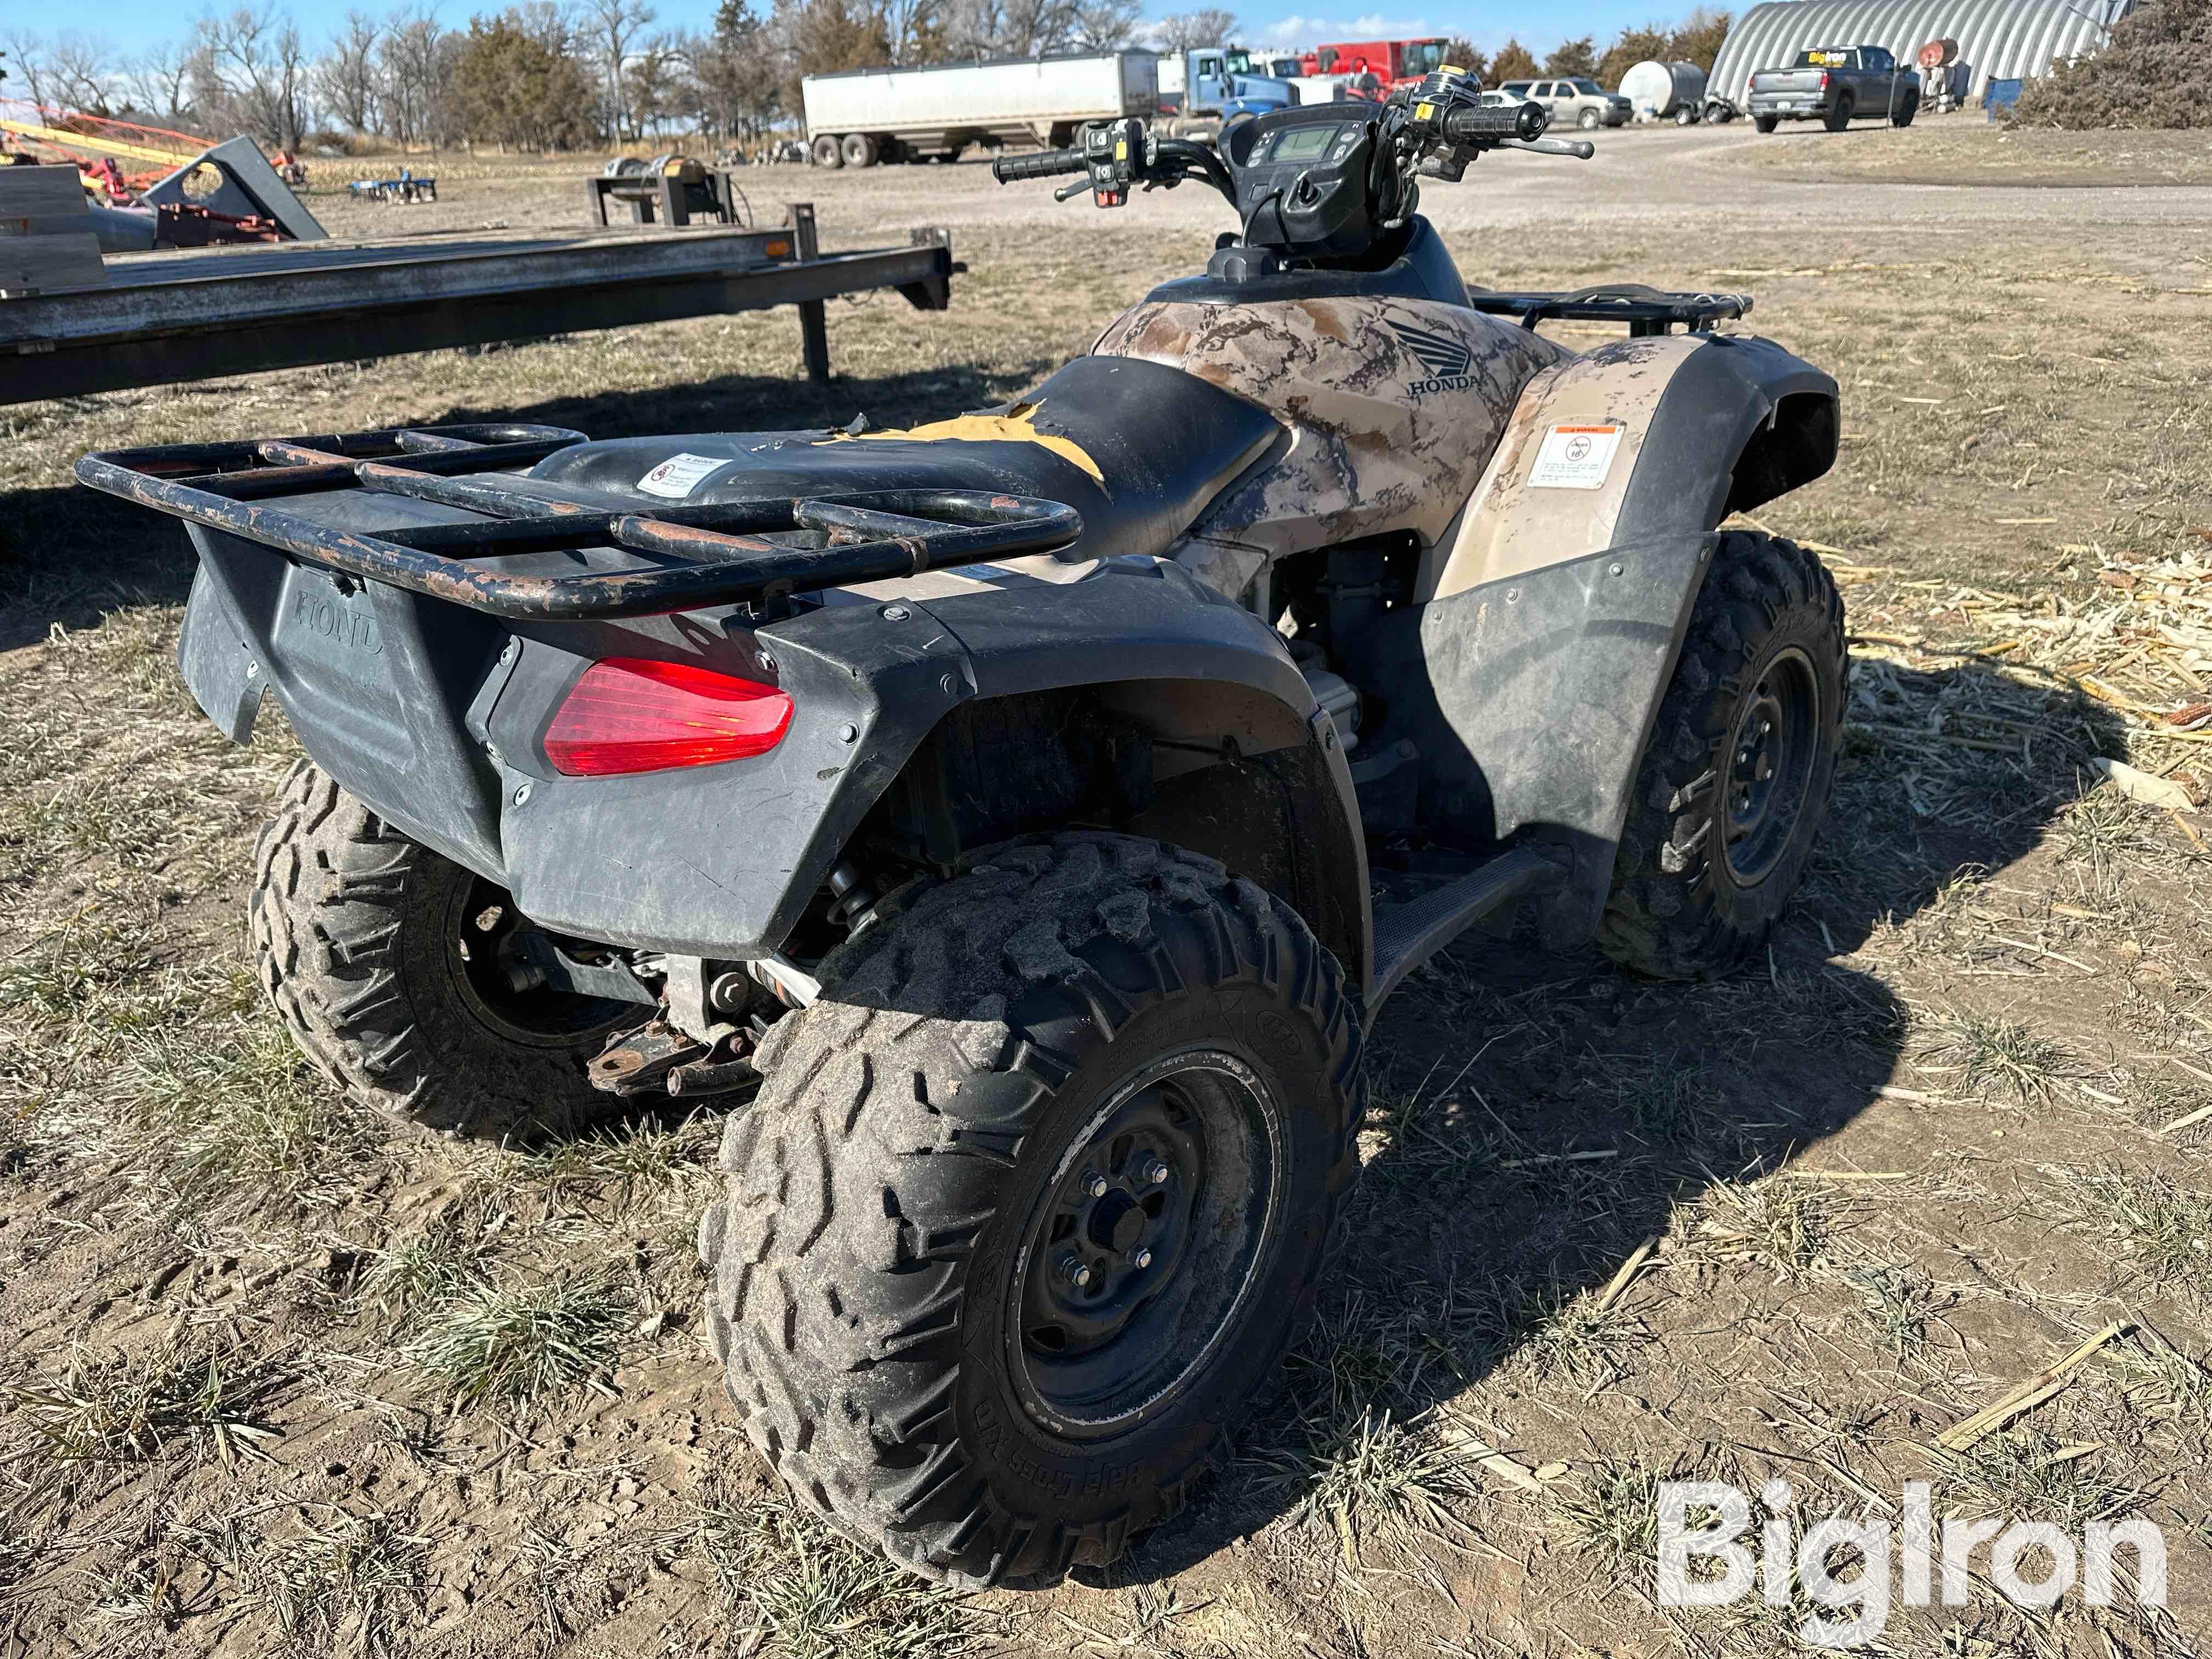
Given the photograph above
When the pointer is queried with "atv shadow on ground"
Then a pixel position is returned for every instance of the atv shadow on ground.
(1535, 1118)
(69, 555)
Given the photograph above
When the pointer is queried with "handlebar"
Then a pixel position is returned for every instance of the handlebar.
(1046, 164)
(1522, 121)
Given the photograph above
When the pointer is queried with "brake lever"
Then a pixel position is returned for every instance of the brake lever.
(1580, 149)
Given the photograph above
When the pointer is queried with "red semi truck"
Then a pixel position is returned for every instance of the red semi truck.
(1393, 63)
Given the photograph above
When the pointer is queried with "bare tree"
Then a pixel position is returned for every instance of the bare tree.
(256, 60)
(157, 78)
(80, 74)
(413, 67)
(1104, 25)
(1211, 26)
(346, 76)
(654, 88)
(28, 52)
(739, 72)
(614, 26)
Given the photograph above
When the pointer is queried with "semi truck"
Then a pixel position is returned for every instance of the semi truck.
(1204, 88)
(1392, 63)
(857, 118)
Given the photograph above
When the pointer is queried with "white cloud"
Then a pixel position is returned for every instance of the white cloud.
(1300, 31)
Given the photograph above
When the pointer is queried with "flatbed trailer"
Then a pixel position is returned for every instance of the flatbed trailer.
(170, 317)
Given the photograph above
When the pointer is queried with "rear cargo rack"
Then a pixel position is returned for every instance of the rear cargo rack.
(698, 556)
(1647, 311)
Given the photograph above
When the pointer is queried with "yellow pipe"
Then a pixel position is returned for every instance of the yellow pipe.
(108, 146)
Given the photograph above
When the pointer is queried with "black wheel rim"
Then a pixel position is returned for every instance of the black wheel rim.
(1142, 1253)
(482, 933)
(1772, 746)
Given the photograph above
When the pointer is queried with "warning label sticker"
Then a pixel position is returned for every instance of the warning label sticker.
(679, 475)
(1575, 457)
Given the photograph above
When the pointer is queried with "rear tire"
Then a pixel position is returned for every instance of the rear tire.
(1839, 116)
(828, 151)
(860, 150)
(356, 932)
(1685, 116)
(1714, 843)
(1589, 120)
(1766, 123)
(973, 1111)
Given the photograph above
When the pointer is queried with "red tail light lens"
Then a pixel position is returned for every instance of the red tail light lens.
(1824, 79)
(628, 715)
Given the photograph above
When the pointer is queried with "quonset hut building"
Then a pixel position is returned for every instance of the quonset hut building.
(1998, 38)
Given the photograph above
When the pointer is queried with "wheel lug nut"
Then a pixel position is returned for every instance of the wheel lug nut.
(1140, 1258)
(1155, 1173)
(1095, 1184)
(1075, 1271)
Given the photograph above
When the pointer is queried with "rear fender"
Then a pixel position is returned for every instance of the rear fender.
(1557, 602)
(724, 860)
(1243, 766)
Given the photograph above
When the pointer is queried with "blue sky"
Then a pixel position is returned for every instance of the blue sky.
(132, 25)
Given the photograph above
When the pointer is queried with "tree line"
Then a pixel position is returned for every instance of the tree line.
(568, 74)
(1696, 40)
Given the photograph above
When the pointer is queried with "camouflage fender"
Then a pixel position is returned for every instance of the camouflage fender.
(1393, 406)
(1693, 426)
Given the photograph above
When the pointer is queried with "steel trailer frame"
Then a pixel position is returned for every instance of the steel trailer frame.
(197, 316)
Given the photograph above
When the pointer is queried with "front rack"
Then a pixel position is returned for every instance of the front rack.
(1647, 311)
(699, 556)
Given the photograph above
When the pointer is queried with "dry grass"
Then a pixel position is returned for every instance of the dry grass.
(198, 1398)
(796, 1590)
(499, 1428)
(486, 1342)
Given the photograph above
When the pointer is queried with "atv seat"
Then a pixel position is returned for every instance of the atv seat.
(1138, 449)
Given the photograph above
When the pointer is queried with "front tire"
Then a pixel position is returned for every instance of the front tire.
(1032, 1201)
(383, 958)
(1734, 782)
(1588, 120)
(1905, 112)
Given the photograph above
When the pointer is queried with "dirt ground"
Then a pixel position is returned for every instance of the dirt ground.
(259, 1392)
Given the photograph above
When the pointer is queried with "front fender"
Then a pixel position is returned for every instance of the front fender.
(1557, 602)
(1702, 425)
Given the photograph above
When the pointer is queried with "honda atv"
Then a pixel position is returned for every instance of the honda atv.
(1020, 818)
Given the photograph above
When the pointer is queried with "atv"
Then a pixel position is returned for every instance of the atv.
(1018, 820)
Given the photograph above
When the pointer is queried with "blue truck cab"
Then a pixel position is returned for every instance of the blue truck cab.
(1206, 87)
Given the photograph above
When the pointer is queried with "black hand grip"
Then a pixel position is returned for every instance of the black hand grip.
(1496, 121)
(1046, 164)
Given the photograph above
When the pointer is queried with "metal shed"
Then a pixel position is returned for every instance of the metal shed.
(1999, 38)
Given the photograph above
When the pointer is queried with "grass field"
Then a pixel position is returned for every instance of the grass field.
(280, 1382)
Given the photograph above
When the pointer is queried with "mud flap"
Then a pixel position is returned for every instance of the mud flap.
(1531, 698)
(221, 673)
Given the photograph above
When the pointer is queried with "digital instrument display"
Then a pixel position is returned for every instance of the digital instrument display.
(1296, 143)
